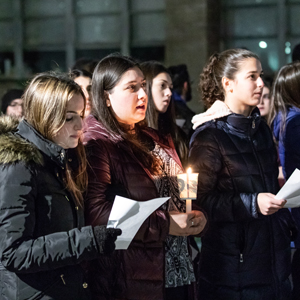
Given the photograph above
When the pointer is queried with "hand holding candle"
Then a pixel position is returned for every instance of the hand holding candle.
(188, 187)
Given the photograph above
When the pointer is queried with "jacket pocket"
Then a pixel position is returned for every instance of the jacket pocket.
(41, 294)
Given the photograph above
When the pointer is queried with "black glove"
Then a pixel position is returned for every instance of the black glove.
(105, 238)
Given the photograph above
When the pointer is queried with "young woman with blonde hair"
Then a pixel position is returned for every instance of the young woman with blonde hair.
(42, 176)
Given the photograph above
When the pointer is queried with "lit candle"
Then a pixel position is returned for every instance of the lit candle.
(188, 187)
(188, 201)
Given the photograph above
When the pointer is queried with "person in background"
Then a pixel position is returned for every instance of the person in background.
(160, 113)
(264, 104)
(264, 107)
(12, 103)
(296, 53)
(285, 121)
(43, 239)
(129, 159)
(245, 252)
(182, 94)
(83, 79)
(85, 63)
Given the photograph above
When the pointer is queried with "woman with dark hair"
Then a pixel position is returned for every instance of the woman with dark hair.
(129, 159)
(160, 113)
(42, 176)
(245, 252)
(265, 100)
(83, 78)
(285, 121)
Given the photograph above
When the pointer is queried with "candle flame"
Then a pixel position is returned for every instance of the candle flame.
(189, 170)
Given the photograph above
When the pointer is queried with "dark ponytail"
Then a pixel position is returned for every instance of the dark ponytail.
(210, 86)
(226, 64)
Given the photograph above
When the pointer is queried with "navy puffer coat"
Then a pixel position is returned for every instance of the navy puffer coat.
(245, 255)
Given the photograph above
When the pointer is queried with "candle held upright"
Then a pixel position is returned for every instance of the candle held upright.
(187, 183)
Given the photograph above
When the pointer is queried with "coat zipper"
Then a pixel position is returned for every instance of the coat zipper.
(62, 278)
(241, 258)
(269, 219)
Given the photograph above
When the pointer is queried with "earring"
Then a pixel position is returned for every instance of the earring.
(107, 103)
(231, 91)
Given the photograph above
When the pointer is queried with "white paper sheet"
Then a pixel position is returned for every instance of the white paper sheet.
(291, 190)
(129, 215)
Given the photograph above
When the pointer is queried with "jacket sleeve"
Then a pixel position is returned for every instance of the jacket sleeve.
(101, 194)
(292, 146)
(205, 158)
(20, 250)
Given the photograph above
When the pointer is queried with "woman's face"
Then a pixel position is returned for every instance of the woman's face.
(68, 136)
(161, 91)
(128, 99)
(245, 91)
(85, 84)
(264, 104)
(15, 108)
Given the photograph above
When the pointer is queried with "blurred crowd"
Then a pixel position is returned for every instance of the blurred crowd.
(71, 142)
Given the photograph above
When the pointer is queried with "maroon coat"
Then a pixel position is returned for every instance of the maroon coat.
(138, 272)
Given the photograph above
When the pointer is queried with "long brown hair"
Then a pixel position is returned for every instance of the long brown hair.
(225, 64)
(164, 122)
(106, 76)
(45, 108)
(285, 92)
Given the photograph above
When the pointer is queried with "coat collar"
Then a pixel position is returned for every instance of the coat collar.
(55, 152)
(236, 124)
(93, 130)
(244, 125)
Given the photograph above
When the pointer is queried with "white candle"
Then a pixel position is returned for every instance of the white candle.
(187, 183)
(188, 202)
(188, 205)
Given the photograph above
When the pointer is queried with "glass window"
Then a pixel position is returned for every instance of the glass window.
(251, 22)
(148, 27)
(45, 32)
(149, 53)
(99, 29)
(294, 19)
(97, 6)
(41, 61)
(6, 9)
(38, 8)
(6, 63)
(6, 34)
(268, 56)
(144, 5)
(95, 53)
(247, 2)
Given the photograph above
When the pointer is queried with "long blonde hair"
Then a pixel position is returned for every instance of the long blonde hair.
(45, 108)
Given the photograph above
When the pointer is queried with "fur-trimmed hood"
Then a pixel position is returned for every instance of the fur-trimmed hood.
(13, 147)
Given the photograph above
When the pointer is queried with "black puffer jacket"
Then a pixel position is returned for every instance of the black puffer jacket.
(42, 240)
(245, 255)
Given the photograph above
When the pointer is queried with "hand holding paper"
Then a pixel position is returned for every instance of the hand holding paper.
(129, 215)
(291, 190)
(268, 204)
